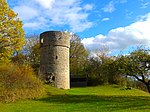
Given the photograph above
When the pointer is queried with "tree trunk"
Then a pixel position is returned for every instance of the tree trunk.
(147, 84)
(148, 87)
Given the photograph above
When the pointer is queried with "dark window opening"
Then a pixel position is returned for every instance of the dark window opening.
(53, 78)
(56, 57)
(50, 78)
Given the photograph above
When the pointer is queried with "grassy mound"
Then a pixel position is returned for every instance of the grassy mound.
(18, 82)
(88, 99)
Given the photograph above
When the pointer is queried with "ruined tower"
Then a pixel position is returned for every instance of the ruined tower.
(54, 61)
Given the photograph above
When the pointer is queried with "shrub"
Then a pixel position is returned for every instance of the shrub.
(18, 82)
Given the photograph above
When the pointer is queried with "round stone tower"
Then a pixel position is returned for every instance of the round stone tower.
(54, 60)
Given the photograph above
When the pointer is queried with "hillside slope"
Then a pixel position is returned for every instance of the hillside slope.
(89, 99)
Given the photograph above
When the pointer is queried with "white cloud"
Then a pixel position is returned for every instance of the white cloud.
(26, 12)
(88, 7)
(71, 14)
(109, 7)
(39, 24)
(122, 1)
(145, 5)
(105, 19)
(55, 13)
(45, 3)
(31, 25)
(123, 37)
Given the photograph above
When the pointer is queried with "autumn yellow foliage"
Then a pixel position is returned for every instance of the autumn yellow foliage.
(11, 32)
(19, 82)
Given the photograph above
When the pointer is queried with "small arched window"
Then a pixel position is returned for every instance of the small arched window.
(56, 57)
(42, 40)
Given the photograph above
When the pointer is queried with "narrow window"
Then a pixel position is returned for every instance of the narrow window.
(42, 41)
(56, 57)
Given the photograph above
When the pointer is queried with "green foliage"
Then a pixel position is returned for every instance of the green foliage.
(114, 70)
(134, 65)
(94, 72)
(18, 82)
(11, 32)
(30, 55)
(34, 57)
(103, 69)
(78, 56)
(104, 72)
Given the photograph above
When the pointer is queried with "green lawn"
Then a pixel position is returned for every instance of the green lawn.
(89, 99)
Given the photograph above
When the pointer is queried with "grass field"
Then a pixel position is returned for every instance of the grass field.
(89, 99)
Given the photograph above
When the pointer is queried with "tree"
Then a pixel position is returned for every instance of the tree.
(30, 52)
(94, 71)
(34, 57)
(109, 70)
(30, 55)
(101, 65)
(78, 56)
(102, 53)
(105, 70)
(11, 32)
(137, 65)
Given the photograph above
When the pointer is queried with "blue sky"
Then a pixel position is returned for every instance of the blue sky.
(118, 24)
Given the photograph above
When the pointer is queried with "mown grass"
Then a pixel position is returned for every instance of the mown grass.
(89, 99)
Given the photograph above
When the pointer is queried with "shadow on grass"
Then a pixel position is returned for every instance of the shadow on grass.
(112, 103)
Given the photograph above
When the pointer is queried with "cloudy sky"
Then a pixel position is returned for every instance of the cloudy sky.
(118, 24)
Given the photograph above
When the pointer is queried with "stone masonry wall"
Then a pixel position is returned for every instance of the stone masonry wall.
(55, 57)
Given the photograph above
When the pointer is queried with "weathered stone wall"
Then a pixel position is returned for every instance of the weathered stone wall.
(55, 57)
